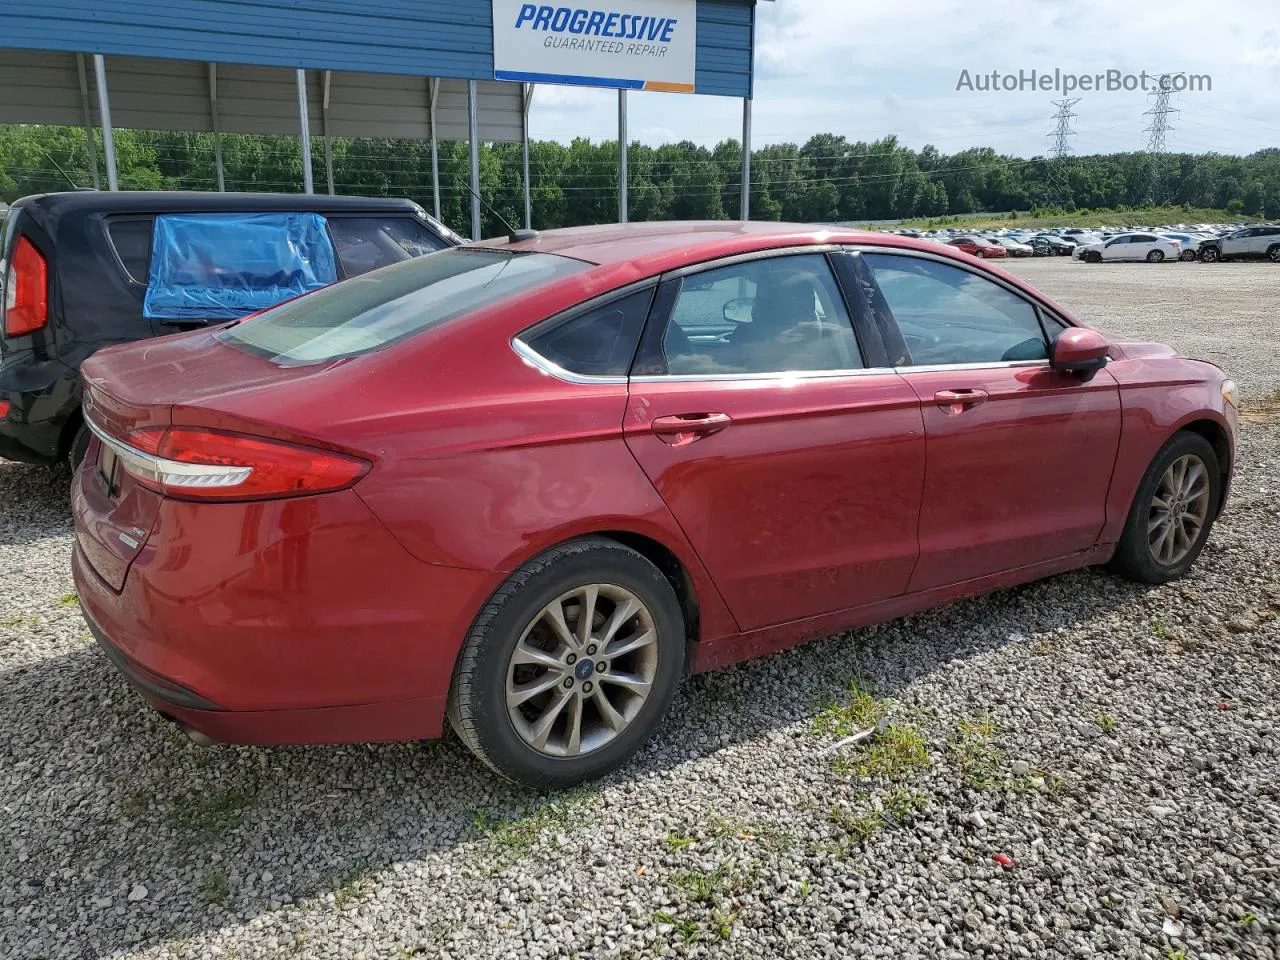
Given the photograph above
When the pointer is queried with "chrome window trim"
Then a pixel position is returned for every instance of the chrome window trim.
(542, 364)
(757, 377)
(159, 469)
(993, 365)
(704, 266)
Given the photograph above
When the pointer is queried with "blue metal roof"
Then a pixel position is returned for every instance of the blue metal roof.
(408, 37)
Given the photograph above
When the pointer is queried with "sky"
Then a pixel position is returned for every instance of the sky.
(865, 69)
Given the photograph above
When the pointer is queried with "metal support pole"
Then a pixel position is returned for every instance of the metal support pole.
(308, 184)
(433, 88)
(746, 158)
(104, 114)
(622, 156)
(473, 132)
(89, 140)
(328, 145)
(524, 138)
(217, 127)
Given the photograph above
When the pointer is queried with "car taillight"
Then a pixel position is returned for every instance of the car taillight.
(197, 464)
(26, 290)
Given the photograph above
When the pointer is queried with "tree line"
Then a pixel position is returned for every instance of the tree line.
(826, 179)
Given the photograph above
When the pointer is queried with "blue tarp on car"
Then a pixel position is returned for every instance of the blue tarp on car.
(220, 266)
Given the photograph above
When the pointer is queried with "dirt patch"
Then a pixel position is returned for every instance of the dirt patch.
(1263, 411)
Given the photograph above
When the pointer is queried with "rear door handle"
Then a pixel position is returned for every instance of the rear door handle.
(958, 401)
(685, 428)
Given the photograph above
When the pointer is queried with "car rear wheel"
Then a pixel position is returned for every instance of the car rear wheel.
(1155, 256)
(1172, 513)
(1093, 256)
(1274, 254)
(571, 666)
(979, 254)
(1186, 256)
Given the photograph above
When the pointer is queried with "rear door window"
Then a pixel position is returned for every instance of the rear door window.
(367, 243)
(131, 240)
(368, 312)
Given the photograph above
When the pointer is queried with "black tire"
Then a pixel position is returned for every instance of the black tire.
(1155, 256)
(1187, 256)
(1093, 256)
(1133, 558)
(79, 446)
(1273, 254)
(1210, 255)
(477, 701)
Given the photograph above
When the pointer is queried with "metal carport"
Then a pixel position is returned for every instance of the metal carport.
(354, 68)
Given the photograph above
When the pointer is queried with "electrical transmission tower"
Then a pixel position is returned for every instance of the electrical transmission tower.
(1057, 188)
(1157, 142)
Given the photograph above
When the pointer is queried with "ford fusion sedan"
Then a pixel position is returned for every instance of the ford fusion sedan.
(1132, 246)
(525, 487)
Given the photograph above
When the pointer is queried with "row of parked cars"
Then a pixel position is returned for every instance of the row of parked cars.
(1208, 243)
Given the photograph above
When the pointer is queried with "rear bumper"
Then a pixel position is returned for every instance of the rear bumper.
(42, 396)
(291, 621)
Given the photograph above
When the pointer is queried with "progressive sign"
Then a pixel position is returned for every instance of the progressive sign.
(640, 45)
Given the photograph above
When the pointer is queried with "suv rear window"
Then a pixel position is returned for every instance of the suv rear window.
(365, 313)
(132, 241)
(367, 243)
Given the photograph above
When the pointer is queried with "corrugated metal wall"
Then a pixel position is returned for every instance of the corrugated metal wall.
(42, 87)
(441, 38)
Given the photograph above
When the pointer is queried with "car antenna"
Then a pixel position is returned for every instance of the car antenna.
(74, 185)
(514, 235)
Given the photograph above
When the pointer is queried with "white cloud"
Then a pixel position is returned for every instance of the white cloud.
(867, 70)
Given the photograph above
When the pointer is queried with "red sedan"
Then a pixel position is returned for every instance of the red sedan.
(979, 247)
(530, 485)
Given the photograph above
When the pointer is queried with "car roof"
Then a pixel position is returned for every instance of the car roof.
(173, 201)
(658, 246)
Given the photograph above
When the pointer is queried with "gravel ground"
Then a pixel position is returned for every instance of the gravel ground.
(1117, 747)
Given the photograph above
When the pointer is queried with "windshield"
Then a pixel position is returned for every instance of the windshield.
(384, 306)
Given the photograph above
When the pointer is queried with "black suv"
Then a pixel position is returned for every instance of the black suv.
(84, 270)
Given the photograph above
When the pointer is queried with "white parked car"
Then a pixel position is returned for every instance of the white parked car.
(1131, 246)
(1015, 247)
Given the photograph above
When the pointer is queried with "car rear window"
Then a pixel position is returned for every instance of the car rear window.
(368, 312)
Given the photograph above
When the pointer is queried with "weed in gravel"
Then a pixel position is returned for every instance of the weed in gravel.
(215, 887)
(211, 813)
(68, 600)
(897, 752)
(978, 760)
(710, 886)
(1106, 723)
(136, 803)
(1158, 628)
(516, 836)
(677, 841)
(11, 623)
(351, 885)
(1180, 954)
(687, 930)
(1247, 920)
(860, 825)
(842, 719)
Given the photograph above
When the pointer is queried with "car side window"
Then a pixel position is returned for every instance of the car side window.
(131, 238)
(367, 243)
(778, 315)
(598, 343)
(948, 315)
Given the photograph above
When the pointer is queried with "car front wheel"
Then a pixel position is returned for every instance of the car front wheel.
(1274, 254)
(1210, 255)
(1175, 507)
(1155, 256)
(571, 666)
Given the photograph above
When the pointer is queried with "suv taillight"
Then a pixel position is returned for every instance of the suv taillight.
(26, 290)
(196, 464)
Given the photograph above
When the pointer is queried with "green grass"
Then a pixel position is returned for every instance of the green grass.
(896, 752)
(516, 836)
(212, 813)
(68, 600)
(1247, 919)
(710, 886)
(1158, 628)
(863, 824)
(1106, 723)
(351, 885)
(844, 719)
(687, 930)
(215, 888)
(676, 841)
(10, 623)
(979, 761)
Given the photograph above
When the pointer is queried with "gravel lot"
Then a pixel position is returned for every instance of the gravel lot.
(1120, 745)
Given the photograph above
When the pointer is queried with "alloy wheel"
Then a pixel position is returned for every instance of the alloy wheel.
(1179, 510)
(582, 670)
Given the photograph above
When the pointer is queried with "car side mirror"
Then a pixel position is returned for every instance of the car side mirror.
(1080, 350)
(739, 310)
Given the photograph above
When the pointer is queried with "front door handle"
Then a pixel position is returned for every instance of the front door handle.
(958, 401)
(685, 428)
